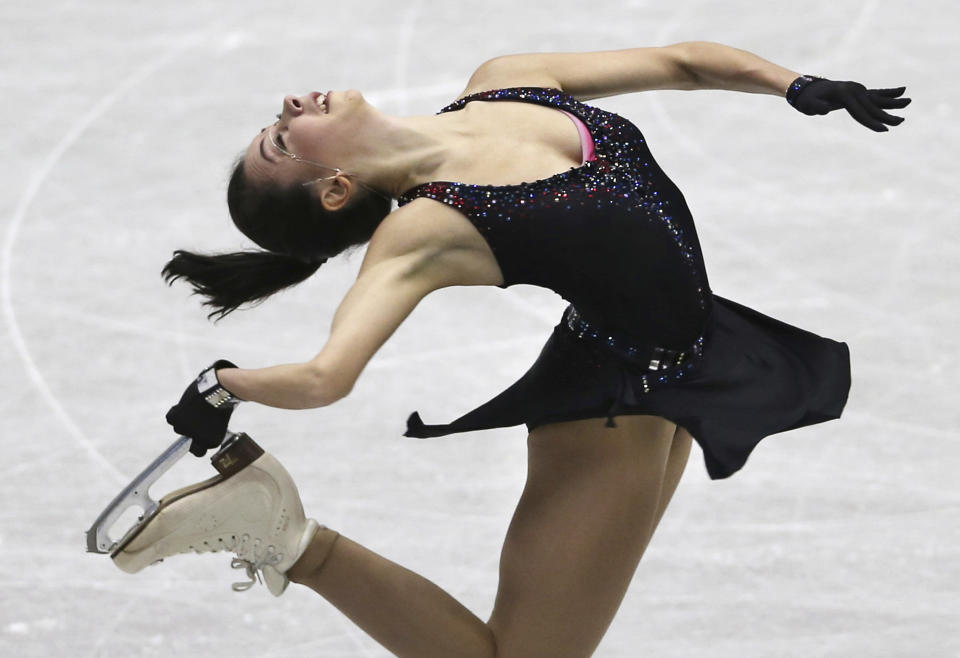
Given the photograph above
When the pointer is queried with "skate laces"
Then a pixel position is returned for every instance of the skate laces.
(270, 557)
(244, 546)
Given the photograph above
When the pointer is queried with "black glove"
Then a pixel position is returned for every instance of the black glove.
(204, 410)
(814, 95)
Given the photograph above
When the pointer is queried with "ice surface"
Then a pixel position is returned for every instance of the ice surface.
(120, 121)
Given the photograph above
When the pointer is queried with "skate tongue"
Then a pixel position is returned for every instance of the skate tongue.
(236, 454)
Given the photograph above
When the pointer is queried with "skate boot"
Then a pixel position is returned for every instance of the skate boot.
(251, 508)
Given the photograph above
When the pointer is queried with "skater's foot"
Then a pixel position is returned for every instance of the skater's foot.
(252, 508)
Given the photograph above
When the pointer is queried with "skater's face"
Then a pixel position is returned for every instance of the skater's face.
(311, 135)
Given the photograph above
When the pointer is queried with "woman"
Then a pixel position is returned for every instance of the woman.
(644, 360)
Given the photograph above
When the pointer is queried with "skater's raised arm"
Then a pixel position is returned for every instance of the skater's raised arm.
(686, 66)
(716, 66)
(587, 75)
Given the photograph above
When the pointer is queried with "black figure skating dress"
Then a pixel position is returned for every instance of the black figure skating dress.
(643, 334)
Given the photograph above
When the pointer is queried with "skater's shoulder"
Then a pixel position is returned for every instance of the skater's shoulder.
(439, 241)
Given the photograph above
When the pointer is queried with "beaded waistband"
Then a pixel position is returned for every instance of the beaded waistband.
(649, 357)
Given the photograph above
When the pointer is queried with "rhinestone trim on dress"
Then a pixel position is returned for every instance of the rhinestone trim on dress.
(619, 176)
(671, 364)
(623, 179)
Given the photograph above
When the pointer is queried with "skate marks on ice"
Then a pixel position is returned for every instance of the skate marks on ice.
(126, 159)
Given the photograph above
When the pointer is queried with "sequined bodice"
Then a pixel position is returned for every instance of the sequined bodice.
(613, 236)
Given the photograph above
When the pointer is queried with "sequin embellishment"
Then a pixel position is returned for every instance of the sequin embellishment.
(648, 356)
(799, 85)
(670, 364)
(621, 176)
(623, 182)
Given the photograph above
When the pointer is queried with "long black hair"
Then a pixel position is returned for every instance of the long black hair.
(294, 228)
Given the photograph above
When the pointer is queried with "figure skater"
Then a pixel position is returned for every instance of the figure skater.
(516, 181)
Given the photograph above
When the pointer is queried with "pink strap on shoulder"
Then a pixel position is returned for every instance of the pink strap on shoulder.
(587, 146)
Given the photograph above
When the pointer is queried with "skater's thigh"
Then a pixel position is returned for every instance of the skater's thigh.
(586, 514)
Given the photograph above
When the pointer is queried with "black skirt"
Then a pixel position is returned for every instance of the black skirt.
(752, 376)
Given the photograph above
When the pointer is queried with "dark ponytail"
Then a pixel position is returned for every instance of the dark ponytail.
(298, 233)
(229, 280)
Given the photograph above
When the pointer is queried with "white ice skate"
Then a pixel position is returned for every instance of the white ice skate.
(251, 507)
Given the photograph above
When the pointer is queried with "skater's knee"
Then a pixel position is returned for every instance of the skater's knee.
(492, 638)
(531, 643)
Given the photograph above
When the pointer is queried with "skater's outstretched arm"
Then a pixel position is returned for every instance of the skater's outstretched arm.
(716, 66)
(588, 75)
(684, 66)
(688, 65)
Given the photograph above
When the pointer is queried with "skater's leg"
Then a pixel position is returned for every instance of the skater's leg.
(401, 610)
(590, 505)
(676, 463)
(592, 499)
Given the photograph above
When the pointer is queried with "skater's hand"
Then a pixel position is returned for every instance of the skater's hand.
(204, 410)
(813, 95)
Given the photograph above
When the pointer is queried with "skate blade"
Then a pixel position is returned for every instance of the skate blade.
(237, 452)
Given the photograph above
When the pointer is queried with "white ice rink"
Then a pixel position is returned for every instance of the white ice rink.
(120, 120)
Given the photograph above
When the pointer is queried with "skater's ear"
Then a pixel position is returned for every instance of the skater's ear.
(311, 222)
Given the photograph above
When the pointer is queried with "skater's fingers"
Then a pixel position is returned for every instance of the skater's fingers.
(890, 93)
(878, 113)
(863, 112)
(872, 108)
(890, 103)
